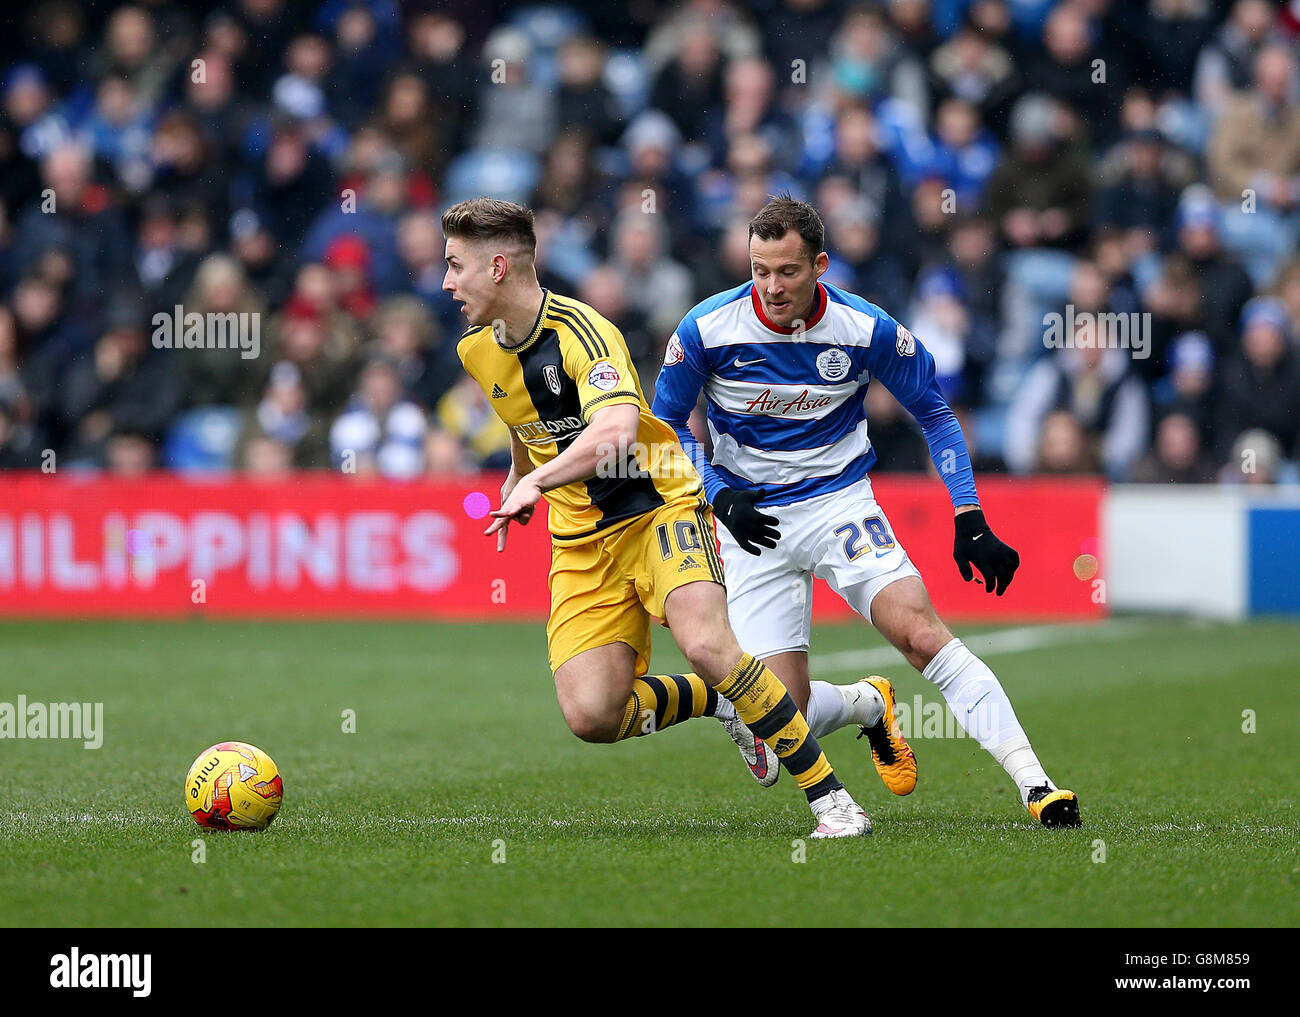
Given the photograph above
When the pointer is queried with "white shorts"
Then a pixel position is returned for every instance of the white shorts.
(842, 537)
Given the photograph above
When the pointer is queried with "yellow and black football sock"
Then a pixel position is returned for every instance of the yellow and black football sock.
(661, 700)
(770, 713)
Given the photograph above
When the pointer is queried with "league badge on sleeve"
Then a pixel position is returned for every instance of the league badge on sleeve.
(906, 344)
(675, 353)
(603, 376)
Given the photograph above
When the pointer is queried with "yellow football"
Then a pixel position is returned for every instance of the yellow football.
(233, 786)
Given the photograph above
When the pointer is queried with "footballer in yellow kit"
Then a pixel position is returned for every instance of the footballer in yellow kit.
(632, 533)
(605, 581)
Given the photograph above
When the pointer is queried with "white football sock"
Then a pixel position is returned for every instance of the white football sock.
(865, 703)
(831, 707)
(827, 711)
(725, 710)
(1018, 759)
(978, 701)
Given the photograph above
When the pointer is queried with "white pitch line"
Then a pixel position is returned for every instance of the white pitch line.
(1030, 637)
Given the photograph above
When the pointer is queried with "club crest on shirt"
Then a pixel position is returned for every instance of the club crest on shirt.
(552, 375)
(834, 364)
(906, 344)
(675, 353)
(603, 376)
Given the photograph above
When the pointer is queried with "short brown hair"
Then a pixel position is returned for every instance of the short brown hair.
(491, 219)
(783, 213)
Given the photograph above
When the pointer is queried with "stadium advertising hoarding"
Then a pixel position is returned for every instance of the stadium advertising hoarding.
(323, 545)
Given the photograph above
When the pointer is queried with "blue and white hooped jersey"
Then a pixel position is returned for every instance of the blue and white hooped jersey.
(786, 408)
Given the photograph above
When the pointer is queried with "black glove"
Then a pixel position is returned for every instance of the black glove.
(977, 545)
(735, 510)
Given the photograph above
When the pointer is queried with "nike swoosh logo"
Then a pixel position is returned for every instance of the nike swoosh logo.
(977, 703)
(976, 537)
(747, 363)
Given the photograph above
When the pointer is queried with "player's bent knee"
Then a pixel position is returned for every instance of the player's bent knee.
(924, 639)
(697, 646)
(588, 718)
(591, 726)
(712, 651)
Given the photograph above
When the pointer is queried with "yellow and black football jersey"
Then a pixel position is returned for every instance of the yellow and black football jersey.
(573, 364)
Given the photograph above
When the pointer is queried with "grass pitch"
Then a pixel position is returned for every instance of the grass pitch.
(461, 799)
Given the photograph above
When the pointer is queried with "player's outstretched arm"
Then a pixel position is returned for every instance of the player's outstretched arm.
(610, 429)
(906, 368)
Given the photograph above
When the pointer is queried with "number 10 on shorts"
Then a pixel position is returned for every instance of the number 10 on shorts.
(860, 538)
(687, 534)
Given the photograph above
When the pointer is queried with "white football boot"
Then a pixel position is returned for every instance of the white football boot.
(838, 815)
(762, 760)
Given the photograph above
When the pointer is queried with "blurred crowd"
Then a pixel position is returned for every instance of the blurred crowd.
(981, 165)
